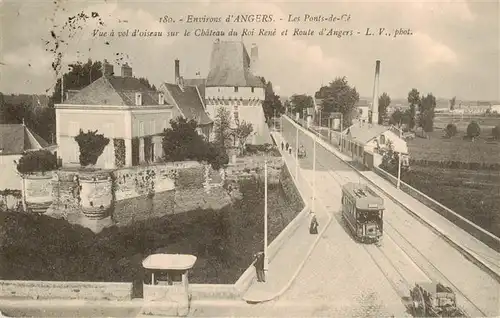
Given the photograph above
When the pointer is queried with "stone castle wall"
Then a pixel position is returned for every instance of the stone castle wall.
(140, 193)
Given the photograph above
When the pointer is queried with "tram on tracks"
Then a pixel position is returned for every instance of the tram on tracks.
(363, 211)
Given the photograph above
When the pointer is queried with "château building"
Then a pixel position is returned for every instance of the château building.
(231, 83)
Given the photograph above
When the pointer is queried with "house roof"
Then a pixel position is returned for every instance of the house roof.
(363, 103)
(114, 90)
(365, 132)
(188, 101)
(17, 138)
(230, 66)
(198, 82)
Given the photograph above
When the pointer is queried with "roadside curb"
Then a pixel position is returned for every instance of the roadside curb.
(469, 256)
(311, 248)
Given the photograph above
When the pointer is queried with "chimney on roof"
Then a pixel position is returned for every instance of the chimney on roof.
(107, 69)
(374, 119)
(126, 70)
(71, 92)
(254, 58)
(177, 72)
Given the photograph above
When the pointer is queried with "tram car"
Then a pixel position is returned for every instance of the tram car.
(363, 211)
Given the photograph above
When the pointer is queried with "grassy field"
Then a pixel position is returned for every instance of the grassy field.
(437, 148)
(473, 194)
(42, 248)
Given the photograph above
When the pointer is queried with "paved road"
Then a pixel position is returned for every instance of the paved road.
(410, 251)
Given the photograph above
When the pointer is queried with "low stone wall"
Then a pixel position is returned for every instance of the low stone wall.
(254, 166)
(213, 291)
(471, 228)
(66, 290)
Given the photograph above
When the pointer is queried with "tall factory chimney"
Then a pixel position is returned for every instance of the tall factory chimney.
(177, 72)
(254, 59)
(374, 119)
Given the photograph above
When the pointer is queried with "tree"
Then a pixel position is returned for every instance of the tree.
(287, 106)
(272, 103)
(301, 102)
(340, 97)
(427, 106)
(383, 102)
(396, 118)
(182, 142)
(413, 100)
(473, 130)
(91, 146)
(451, 130)
(146, 83)
(222, 128)
(453, 102)
(80, 76)
(241, 133)
(496, 132)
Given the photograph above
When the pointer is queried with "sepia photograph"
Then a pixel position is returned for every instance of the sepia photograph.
(249, 158)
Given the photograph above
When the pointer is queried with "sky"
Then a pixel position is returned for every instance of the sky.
(453, 49)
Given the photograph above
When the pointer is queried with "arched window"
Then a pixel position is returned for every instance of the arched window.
(382, 139)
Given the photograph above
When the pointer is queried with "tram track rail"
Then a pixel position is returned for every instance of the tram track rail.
(433, 274)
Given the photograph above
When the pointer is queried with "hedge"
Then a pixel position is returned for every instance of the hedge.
(451, 164)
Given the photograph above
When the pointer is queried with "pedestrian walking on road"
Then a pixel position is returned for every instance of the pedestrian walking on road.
(286, 147)
(282, 146)
(259, 266)
(313, 227)
(290, 150)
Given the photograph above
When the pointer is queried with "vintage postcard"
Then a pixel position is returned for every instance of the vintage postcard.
(249, 158)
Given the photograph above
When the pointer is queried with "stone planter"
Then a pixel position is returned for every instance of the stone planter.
(96, 195)
(38, 191)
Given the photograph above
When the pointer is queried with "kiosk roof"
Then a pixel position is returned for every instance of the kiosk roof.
(169, 261)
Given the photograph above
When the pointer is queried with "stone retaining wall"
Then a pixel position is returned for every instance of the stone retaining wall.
(66, 290)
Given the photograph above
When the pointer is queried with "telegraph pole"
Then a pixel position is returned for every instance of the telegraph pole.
(399, 169)
(314, 177)
(297, 155)
(266, 258)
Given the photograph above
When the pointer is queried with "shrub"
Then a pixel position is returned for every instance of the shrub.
(473, 130)
(451, 130)
(37, 161)
(91, 146)
(496, 132)
(119, 152)
(216, 156)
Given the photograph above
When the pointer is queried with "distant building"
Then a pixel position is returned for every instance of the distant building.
(188, 101)
(15, 139)
(495, 109)
(121, 108)
(363, 110)
(479, 107)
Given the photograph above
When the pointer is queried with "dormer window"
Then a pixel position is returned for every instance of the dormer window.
(382, 139)
(138, 99)
(236, 89)
(161, 99)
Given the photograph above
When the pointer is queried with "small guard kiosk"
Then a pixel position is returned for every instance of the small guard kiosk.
(166, 285)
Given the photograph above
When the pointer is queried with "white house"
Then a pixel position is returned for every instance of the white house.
(15, 139)
(122, 108)
(363, 141)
